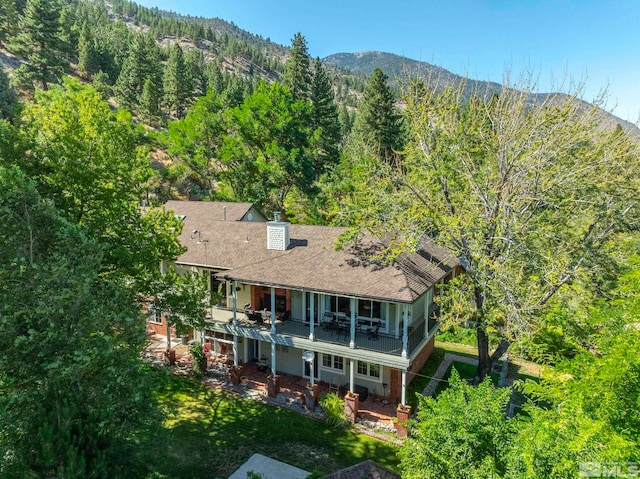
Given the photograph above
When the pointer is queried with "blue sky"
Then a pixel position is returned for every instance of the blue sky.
(596, 42)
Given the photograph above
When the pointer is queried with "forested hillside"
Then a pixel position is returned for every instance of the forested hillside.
(107, 107)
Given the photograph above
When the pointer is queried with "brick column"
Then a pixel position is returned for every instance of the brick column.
(234, 374)
(273, 385)
(351, 403)
(312, 396)
(403, 412)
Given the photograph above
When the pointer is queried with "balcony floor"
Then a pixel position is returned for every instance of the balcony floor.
(385, 343)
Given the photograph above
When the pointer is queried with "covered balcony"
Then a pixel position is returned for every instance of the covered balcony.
(221, 320)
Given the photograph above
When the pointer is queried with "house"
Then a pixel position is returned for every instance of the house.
(284, 289)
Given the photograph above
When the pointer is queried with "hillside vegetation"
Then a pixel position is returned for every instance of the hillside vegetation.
(105, 108)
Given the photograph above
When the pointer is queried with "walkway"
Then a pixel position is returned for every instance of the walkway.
(442, 370)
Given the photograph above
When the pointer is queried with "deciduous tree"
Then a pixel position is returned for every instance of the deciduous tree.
(526, 194)
(86, 159)
(267, 153)
(197, 139)
(462, 434)
(73, 396)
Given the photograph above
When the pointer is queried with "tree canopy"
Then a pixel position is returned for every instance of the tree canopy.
(72, 393)
(88, 161)
(527, 195)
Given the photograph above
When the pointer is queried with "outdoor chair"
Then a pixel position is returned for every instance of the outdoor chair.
(334, 387)
(327, 320)
(372, 334)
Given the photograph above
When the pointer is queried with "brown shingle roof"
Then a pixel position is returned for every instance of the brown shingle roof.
(311, 261)
(212, 210)
(365, 470)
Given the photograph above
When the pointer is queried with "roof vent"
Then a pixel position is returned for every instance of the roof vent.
(224, 213)
(277, 233)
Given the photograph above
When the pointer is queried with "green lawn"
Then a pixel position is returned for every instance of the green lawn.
(209, 433)
(517, 368)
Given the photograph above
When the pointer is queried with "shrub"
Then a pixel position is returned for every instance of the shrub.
(198, 359)
(333, 408)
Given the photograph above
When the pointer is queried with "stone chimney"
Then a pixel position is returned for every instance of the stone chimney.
(277, 233)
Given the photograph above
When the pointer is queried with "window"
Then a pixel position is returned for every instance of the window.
(369, 309)
(369, 370)
(154, 315)
(339, 304)
(332, 362)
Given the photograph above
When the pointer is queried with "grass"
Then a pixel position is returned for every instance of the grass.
(517, 368)
(421, 380)
(210, 433)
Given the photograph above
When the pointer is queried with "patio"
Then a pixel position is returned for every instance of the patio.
(373, 413)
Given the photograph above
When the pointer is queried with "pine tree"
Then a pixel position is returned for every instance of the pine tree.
(346, 121)
(378, 123)
(8, 97)
(195, 78)
(39, 43)
(142, 63)
(174, 82)
(297, 72)
(215, 79)
(8, 20)
(88, 61)
(150, 102)
(324, 118)
(102, 84)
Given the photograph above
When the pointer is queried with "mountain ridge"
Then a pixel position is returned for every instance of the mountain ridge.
(398, 67)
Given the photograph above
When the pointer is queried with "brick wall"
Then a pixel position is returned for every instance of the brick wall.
(395, 384)
(420, 359)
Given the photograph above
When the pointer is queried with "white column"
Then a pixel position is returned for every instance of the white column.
(405, 330)
(386, 314)
(352, 306)
(273, 310)
(273, 330)
(311, 323)
(404, 387)
(427, 306)
(352, 365)
(304, 306)
(312, 306)
(273, 357)
(234, 297)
